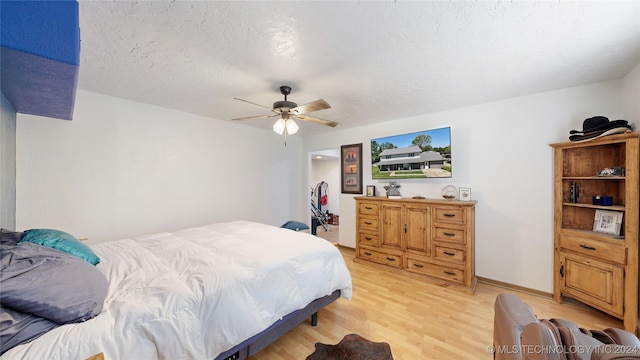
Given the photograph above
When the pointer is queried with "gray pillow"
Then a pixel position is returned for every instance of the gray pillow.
(51, 284)
(8, 237)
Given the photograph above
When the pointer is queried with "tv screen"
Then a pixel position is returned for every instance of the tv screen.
(419, 155)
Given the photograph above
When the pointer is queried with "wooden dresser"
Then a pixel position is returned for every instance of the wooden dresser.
(425, 238)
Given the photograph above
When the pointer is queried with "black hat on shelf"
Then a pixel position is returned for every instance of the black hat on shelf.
(598, 126)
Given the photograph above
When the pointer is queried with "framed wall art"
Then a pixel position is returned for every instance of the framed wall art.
(418, 155)
(464, 194)
(351, 168)
(608, 222)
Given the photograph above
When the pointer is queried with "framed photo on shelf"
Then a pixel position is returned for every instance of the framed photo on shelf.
(608, 222)
(464, 194)
(371, 190)
(351, 168)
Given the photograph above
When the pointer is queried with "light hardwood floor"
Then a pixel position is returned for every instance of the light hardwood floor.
(417, 319)
(332, 234)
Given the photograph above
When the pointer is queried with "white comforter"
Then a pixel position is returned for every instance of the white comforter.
(195, 293)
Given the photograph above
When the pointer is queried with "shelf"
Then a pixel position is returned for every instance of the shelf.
(593, 178)
(591, 234)
(591, 206)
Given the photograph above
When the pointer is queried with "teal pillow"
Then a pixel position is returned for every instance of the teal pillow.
(62, 241)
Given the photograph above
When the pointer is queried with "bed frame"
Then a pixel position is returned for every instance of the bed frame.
(258, 342)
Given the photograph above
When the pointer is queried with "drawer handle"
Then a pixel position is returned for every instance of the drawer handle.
(367, 253)
(449, 273)
(368, 208)
(391, 259)
(449, 215)
(368, 222)
(368, 238)
(587, 247)
(449, 234)
(448, 253)
(418, 265)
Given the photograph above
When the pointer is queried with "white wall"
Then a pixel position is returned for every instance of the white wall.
(7, 164)
(501, 151)
(122, 168)
(631, 91)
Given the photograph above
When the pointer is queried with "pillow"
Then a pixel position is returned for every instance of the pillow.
(50, 284)
(9, 237)
(294, 225)
(62, 241)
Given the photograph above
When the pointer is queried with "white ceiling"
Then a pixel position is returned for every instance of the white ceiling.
(372, 61)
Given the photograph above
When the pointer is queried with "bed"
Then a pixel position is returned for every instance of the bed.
(220, 291)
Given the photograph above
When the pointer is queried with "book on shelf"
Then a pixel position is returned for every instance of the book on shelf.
(394, 197)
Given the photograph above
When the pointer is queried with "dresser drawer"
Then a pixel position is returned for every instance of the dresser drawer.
(368, 208)
(368, 239)
(447, 253)
(449, 215)
(369, 223)
(442, 272)
(594, 248)
(448, 234)
(380, 257)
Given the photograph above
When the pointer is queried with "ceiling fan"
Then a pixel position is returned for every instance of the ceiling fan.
(288, 110)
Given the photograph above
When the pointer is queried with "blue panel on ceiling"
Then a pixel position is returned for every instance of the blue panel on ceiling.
(37, 85)
(40, 56)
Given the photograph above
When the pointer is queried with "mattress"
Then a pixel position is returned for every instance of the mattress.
(194, 293)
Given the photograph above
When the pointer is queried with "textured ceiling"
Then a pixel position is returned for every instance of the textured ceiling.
(372, 61)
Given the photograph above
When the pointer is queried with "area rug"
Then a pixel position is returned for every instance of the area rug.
(352, 347)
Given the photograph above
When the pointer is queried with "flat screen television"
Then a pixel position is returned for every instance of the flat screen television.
(418, 155)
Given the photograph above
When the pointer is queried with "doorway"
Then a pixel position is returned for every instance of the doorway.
(325, 169)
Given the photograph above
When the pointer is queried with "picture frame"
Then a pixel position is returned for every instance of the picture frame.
(464, 194)
(608, 222)
(371, 190)
(351, 168)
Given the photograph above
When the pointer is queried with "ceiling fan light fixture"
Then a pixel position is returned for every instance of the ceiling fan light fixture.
(279, 126)
(286, 109)
(292, 127)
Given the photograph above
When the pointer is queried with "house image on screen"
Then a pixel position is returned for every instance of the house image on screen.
(409, 158)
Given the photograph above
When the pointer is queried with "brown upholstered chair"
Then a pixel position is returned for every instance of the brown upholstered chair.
(518, 334)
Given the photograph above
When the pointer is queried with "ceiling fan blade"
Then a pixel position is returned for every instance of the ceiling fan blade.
(247, 101)
(255, 117)
(309, 107)
(316, 120)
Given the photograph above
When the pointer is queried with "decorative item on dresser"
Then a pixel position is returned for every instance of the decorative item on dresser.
(465, 194)
(393, 190)
(425, 238)
(371, 190)
(595, 262)
(449, 192)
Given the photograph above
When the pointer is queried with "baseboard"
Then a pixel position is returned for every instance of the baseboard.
(513, 287)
